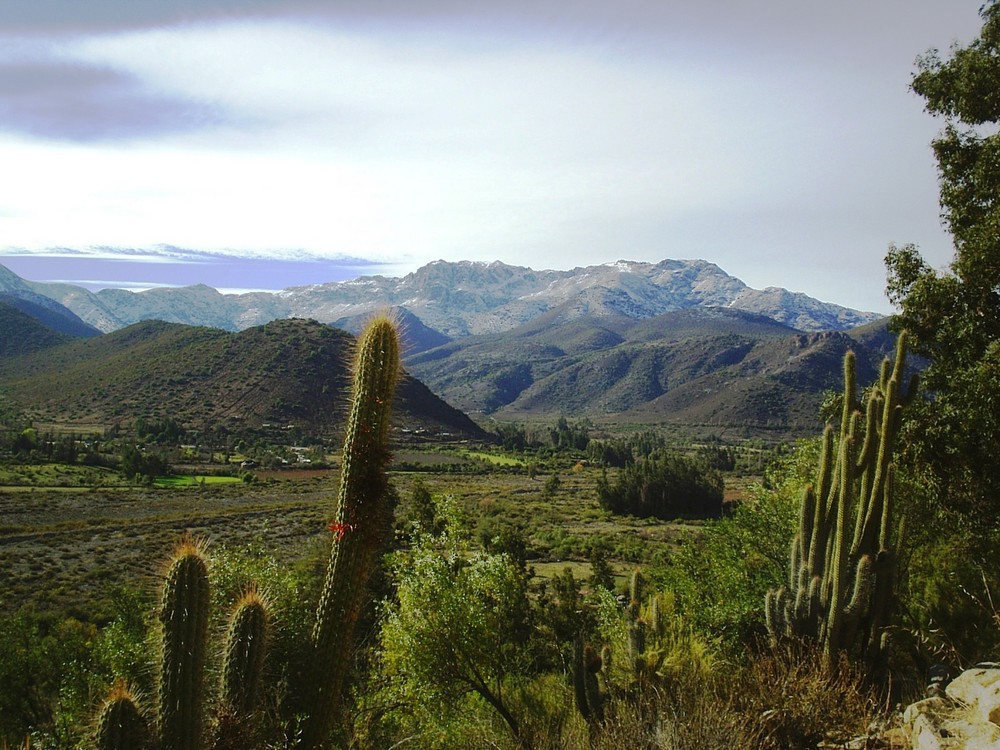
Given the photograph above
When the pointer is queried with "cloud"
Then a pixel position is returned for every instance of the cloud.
(126, 268)
(64, 101)
(48, 92)
(774, 137)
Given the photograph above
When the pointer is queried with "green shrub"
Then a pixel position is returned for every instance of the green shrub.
(720, 572)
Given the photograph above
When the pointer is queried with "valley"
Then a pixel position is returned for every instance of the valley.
(66, 549)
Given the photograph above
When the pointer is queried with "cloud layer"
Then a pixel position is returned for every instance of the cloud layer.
(777, 139)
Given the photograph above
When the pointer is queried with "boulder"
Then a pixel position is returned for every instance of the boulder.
(979, 690)
(965, 717)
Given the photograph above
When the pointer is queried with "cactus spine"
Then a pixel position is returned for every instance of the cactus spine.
(840, 589)
(184, 622)
(360, 524)
(120, 725)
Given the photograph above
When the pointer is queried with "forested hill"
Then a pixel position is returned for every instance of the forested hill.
(21, 333)
(288, 372)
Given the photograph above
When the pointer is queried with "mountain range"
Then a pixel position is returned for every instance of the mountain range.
(457, 299)
(678, 341)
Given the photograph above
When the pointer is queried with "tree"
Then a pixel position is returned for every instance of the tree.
(948, 466)
(954, 316)
(26, 441)
(417, 513)
(135, 464)
(664, 486)
(459, 628)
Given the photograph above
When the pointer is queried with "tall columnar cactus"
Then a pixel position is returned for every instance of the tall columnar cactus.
(245, 650)
(590, 699)
(360, 524)
(636, 625)
(183, 618)
(120, 725)
(244, 653)
(841, 577)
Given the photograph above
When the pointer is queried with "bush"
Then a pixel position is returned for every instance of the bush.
(788, 699)
(46, 677)
(721, 573)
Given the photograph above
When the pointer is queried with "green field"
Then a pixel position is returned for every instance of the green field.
(497, 459)
(191, 480)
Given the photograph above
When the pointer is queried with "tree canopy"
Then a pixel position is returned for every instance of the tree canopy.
(954, 316)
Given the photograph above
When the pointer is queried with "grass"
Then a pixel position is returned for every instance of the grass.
(52, 475)
(497, 459)
(51, 542)
(191, 480)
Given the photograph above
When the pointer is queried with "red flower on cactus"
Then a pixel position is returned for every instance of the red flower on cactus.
(340, 529)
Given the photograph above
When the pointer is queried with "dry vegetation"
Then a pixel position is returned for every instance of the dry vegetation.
(64, 548)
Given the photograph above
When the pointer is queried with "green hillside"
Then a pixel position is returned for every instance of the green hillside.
(695, 367)
(288, 372)
(21, 333)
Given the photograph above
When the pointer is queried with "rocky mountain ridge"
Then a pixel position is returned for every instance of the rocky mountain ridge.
(714, 367)
(18, 293)
(458, 299)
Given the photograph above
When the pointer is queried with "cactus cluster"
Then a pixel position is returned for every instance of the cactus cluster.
(180, 701)
(360, 527)
(841, 577)
(646, 632)
(647, 649)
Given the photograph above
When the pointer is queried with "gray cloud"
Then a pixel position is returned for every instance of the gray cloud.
(100, 15)
(63, 101)
(790, 21)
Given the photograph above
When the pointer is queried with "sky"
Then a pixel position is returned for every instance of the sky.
(260, 144)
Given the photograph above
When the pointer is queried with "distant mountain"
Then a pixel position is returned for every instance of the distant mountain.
(679, 341)
(416, 336)
(466, 298)
(285, 372)
(62, 321)
(16, 292)
(703, 366)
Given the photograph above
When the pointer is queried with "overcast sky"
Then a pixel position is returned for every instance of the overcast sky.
(776, 138)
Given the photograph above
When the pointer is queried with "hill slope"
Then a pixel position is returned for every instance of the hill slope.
(286, 372)
(17, 292)
(21, 333)
(693, 367)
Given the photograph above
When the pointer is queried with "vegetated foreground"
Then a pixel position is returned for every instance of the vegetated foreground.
(83, 566)
(461, 646)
